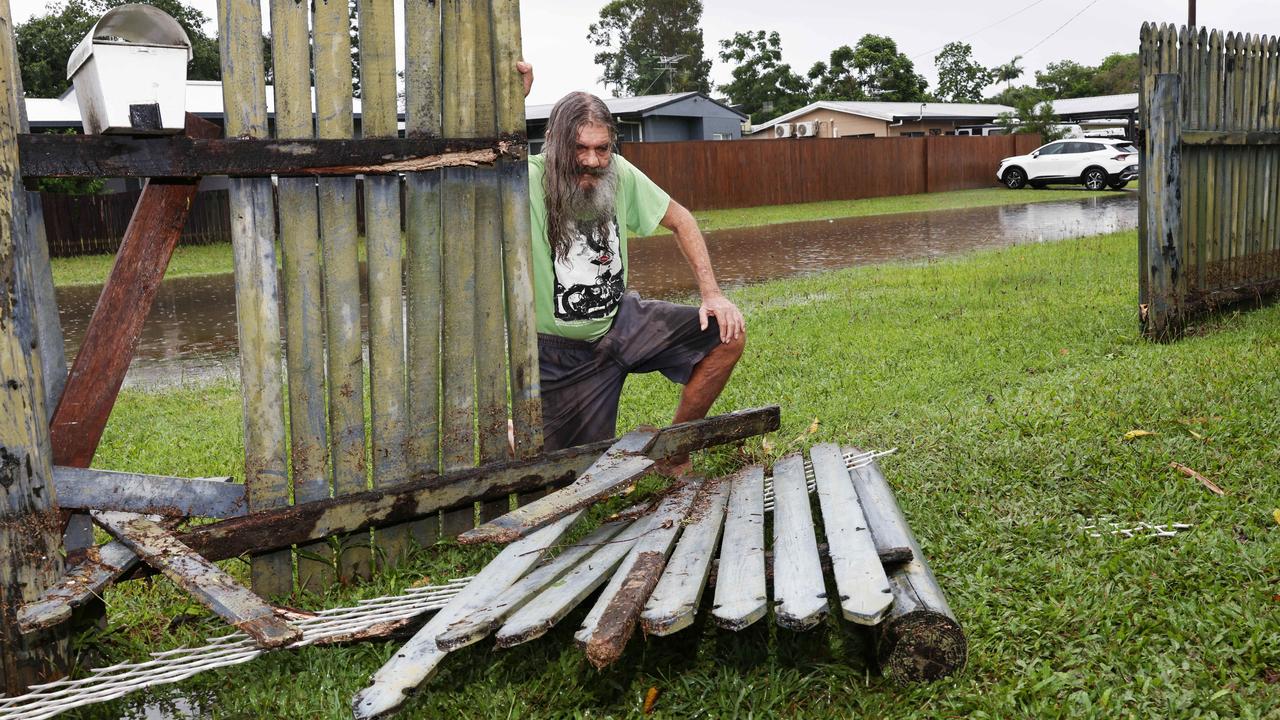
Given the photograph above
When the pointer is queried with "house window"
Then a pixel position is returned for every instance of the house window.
(721, 136)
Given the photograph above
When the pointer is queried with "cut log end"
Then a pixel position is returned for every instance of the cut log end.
(921, 646)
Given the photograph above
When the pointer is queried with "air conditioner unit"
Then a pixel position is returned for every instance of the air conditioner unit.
(782, 130)
(807, 129)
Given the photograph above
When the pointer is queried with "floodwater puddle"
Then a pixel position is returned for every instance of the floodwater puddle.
(191, 332)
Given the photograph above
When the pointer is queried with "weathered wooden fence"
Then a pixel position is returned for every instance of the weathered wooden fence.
(717, 175)
(701, 175)
(1209, 226)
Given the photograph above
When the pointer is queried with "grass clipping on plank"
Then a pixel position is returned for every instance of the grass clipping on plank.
(1006, 444)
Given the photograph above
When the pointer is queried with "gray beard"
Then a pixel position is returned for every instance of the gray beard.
(595, 204)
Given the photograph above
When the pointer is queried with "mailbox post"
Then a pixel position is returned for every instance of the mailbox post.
(130, 73)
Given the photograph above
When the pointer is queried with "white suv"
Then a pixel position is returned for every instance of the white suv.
(1093, 162)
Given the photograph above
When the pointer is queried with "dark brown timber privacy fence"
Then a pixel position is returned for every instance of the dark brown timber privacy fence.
(1210, 103)
(719, 175)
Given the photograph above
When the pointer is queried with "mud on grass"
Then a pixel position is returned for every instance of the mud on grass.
(1008, 380)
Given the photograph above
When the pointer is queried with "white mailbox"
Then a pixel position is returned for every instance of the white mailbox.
(130, 73)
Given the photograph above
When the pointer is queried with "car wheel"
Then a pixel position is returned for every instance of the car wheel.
(1118, 184)
(1037, 184)
(1015, 178)
(1095, 178)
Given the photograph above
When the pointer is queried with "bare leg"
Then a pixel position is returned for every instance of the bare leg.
(709, 377)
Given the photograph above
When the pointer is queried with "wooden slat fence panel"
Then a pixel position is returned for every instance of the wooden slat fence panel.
(701, 175)
(1216, 147)
(95, 224)
(721, 175)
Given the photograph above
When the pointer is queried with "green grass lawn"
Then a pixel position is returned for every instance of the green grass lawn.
(196, 260)
(1008, 380)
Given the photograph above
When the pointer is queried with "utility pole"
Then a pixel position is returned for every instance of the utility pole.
(1191, 13)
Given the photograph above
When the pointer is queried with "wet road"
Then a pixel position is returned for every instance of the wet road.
(191, 332)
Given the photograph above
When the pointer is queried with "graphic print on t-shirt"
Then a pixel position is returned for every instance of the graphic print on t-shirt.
(590, 279)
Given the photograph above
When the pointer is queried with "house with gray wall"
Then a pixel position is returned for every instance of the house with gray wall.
(655, 118)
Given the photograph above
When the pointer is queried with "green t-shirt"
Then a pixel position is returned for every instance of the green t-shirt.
(578, 296)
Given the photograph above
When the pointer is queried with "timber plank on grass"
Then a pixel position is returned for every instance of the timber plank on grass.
(550, 606)
(483, 621)
(203, 580)
(612, 620)
(418, 659)
(865, 596)
(799, 592)
(741, 595)
(90, 489)
(620, 465)
(83, 582)
(674, 602)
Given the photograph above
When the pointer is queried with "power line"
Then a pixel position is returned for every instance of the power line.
(978, 32)
(1055, 32)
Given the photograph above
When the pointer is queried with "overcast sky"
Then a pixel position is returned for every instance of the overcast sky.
(1042, 31)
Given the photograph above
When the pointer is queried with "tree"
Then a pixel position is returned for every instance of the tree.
(651, 44)
(45, 42)
(871, 70)
(1117, 75)
(1032, 114)
(1014, 94)
(1066, 79)
(763, 86)
(1007, 72)
(960, 79)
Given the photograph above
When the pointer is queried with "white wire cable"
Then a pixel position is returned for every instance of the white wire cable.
(170, 666)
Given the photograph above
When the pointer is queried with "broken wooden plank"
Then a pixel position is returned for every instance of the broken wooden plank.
(90, 489)
(50, 155)
(618, 467)
(541, 613)
(865, 596)
(480, 623)
(741, 596)
(612, 620)
(283, 527)
(799, 592)
(921, 638)
(674, 602)
(83, 582)
(208, 584)
(417, 659)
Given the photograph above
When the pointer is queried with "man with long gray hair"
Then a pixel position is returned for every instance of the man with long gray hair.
(585, 203)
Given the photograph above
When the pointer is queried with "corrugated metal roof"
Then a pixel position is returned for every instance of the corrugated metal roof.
(638, 105)
(1117, 105)
(894, 111)
(204, 98)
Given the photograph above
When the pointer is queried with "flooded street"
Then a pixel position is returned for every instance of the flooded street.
(191, 333)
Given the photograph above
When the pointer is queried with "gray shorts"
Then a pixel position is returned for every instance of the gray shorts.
(582, 380)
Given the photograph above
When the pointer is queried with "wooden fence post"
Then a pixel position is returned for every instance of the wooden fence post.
(1162, 185)
(30, 525)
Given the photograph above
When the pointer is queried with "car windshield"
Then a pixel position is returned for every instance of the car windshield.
(1126, 148)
